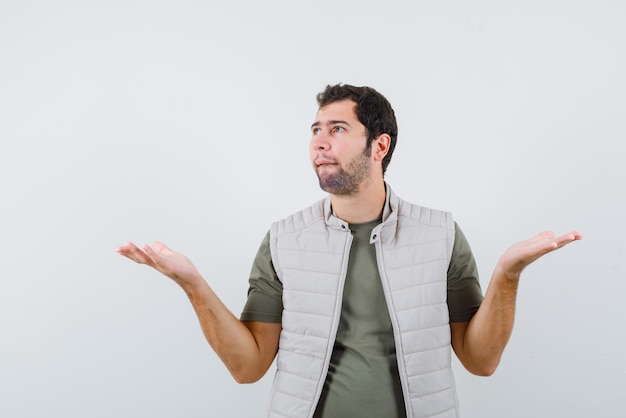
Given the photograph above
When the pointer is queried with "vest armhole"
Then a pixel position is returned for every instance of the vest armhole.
(274, 251)
(451, 234)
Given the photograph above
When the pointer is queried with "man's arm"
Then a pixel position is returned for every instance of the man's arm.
(246, 348)
(480, 342)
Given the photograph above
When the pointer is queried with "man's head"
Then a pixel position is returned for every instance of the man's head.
(372, 109)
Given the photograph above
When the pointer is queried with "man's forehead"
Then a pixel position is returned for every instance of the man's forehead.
(340, 110)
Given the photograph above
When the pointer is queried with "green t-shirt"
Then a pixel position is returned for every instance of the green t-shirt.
(363, 377)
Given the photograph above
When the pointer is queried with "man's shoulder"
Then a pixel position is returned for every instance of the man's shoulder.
(301, 219)
(414, 213)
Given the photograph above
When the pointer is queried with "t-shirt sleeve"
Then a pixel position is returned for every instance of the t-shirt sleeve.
(265, 294)
(464, 292)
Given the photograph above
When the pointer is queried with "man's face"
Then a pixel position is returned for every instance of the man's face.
(337, 150)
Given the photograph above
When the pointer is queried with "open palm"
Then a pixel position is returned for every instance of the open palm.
(158, 256)
(520, 255)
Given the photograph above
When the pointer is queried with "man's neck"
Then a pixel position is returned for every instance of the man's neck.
(364, 206)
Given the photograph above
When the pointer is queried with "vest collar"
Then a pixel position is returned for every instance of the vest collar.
(390, 211)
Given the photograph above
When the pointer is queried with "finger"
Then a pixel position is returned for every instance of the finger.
(540, 244)
(139, 256)
(568, 238)
(155, 257)
(125, 247)
(576, 235)
(160, 248)
(150, 251)
(546, 235)
(128, 250)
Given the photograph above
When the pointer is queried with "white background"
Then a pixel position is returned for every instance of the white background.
(188, 122)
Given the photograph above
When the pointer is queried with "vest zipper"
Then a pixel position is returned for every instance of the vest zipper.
(396, 329)
(335, 325)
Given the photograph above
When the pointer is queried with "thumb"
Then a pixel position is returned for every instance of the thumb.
(160, 248)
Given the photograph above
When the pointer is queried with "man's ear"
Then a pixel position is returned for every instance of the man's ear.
(380, 146)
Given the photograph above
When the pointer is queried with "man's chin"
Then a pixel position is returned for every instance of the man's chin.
(335, 186)
(327, 184)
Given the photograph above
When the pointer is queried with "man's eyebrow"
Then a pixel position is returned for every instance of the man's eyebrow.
(329, 122)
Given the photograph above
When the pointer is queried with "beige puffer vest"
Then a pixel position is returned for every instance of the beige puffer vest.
(310, 252)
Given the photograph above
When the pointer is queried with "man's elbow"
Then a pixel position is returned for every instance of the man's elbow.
(244, 380)
(483, 372)
(483, 369)
(246, 376)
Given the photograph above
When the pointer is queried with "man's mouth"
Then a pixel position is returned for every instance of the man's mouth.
(321, 161)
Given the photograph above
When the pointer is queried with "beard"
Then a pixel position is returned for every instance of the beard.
(346, 182)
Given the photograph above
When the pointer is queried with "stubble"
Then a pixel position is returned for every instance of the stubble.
(346, 182)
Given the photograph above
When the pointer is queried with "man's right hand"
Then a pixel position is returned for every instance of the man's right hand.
(158, 256)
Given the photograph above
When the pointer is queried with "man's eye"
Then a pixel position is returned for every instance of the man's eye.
(316, 131)
(338, 129)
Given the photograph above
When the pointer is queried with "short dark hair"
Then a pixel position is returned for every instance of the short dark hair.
(372, 109)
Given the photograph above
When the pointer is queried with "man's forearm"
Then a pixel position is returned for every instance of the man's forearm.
(481, 345)
(480, 342)
(231, 339)
(247, 349)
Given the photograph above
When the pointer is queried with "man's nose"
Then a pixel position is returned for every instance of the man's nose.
(320, 142)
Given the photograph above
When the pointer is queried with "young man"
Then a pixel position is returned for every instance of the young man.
(362, 294)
